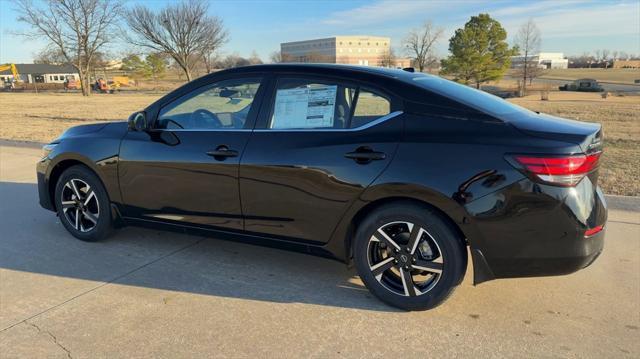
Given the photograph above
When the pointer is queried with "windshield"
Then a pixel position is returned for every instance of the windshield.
(477, 99)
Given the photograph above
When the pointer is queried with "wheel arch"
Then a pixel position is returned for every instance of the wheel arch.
(58, 169)
(368, 208)
(449, 210)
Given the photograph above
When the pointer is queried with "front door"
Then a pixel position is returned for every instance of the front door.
(185, 169)
(318, 144)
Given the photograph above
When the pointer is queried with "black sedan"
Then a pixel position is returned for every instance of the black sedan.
(395, 171)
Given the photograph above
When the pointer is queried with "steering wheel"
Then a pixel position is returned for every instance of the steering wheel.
(208, 117)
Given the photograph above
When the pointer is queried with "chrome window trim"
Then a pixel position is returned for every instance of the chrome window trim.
(360, 128)
(202, 130)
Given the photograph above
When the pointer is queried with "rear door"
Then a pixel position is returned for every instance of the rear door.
(185, 169)
(318, 144)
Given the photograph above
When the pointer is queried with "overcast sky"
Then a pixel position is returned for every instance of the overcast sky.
(569, 26)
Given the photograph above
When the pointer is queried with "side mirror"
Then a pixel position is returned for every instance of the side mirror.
(137, 121)
(228, 93)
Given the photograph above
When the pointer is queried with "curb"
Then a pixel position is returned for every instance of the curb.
(15, 143)
(623, 203)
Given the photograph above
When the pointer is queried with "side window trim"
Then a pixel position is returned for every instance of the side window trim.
(252, 117)
(373, 123)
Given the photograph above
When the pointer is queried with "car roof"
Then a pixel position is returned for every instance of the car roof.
(335, 69)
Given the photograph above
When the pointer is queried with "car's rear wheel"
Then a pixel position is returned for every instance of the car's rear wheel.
(409, 256)
(82, 204)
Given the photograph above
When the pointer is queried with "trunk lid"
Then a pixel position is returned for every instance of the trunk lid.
(585, 134)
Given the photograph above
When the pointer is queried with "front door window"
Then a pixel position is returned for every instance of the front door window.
(223, 105)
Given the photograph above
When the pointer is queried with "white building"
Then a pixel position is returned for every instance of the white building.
(545, 60)
(355, 50)
(41, 73)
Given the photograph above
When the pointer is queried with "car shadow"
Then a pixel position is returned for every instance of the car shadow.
(33, 240)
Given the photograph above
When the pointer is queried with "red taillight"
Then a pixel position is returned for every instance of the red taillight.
(592, 231)
(562, 171)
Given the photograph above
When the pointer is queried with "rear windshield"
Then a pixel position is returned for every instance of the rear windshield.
(480, 100)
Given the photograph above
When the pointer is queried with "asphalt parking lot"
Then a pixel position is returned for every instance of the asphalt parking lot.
(146, 293)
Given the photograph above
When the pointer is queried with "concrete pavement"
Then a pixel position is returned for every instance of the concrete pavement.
(146, 293)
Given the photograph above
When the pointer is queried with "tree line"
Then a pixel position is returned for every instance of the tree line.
(186, 36)
(78, 30)
(602, 58)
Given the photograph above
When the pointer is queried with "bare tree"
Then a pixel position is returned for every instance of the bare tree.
(601, 58)
(528, 41)
(605, 58)
(275, 57)
(598, 56)
(278, 57)
(77, 29)
(184, 31)
(209, 60)
(50, 55)
(255, 58)
(419, 44)
(232, 60)
(388, 58)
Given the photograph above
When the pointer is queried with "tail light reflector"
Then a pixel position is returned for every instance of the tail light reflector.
(561, 171)
(592, 231)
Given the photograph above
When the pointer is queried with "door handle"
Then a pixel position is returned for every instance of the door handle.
(365, 155)
(222, 152)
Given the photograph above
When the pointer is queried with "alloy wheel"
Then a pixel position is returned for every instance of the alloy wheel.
(80, 205)
(405, 258)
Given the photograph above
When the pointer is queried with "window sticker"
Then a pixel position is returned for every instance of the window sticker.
(305, 107)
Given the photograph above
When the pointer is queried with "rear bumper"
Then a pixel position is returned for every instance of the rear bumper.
(574, 258)
(529, 229)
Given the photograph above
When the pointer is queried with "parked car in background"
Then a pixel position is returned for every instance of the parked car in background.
(401, 173)
(584, 85)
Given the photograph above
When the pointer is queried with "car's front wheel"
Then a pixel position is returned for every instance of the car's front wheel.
(409, 256)
(82, 204)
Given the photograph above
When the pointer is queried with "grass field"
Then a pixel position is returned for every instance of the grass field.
(625, 76)
(620, 118)
(42, 117)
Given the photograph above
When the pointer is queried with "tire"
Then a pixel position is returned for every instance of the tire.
(93, 208)
(435, 262)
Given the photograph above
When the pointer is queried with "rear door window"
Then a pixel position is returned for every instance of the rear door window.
(313, 104)
(306, 104)
(369, 106)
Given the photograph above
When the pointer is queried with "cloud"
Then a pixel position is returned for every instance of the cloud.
(528, 10)
(604, 19)
(381, 12)
(556, 19)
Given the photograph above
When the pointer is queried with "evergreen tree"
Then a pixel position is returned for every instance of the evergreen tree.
(479, 52)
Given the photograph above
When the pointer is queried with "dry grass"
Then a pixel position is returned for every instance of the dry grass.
(42, 117)
(625, 76)
(620, 118)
